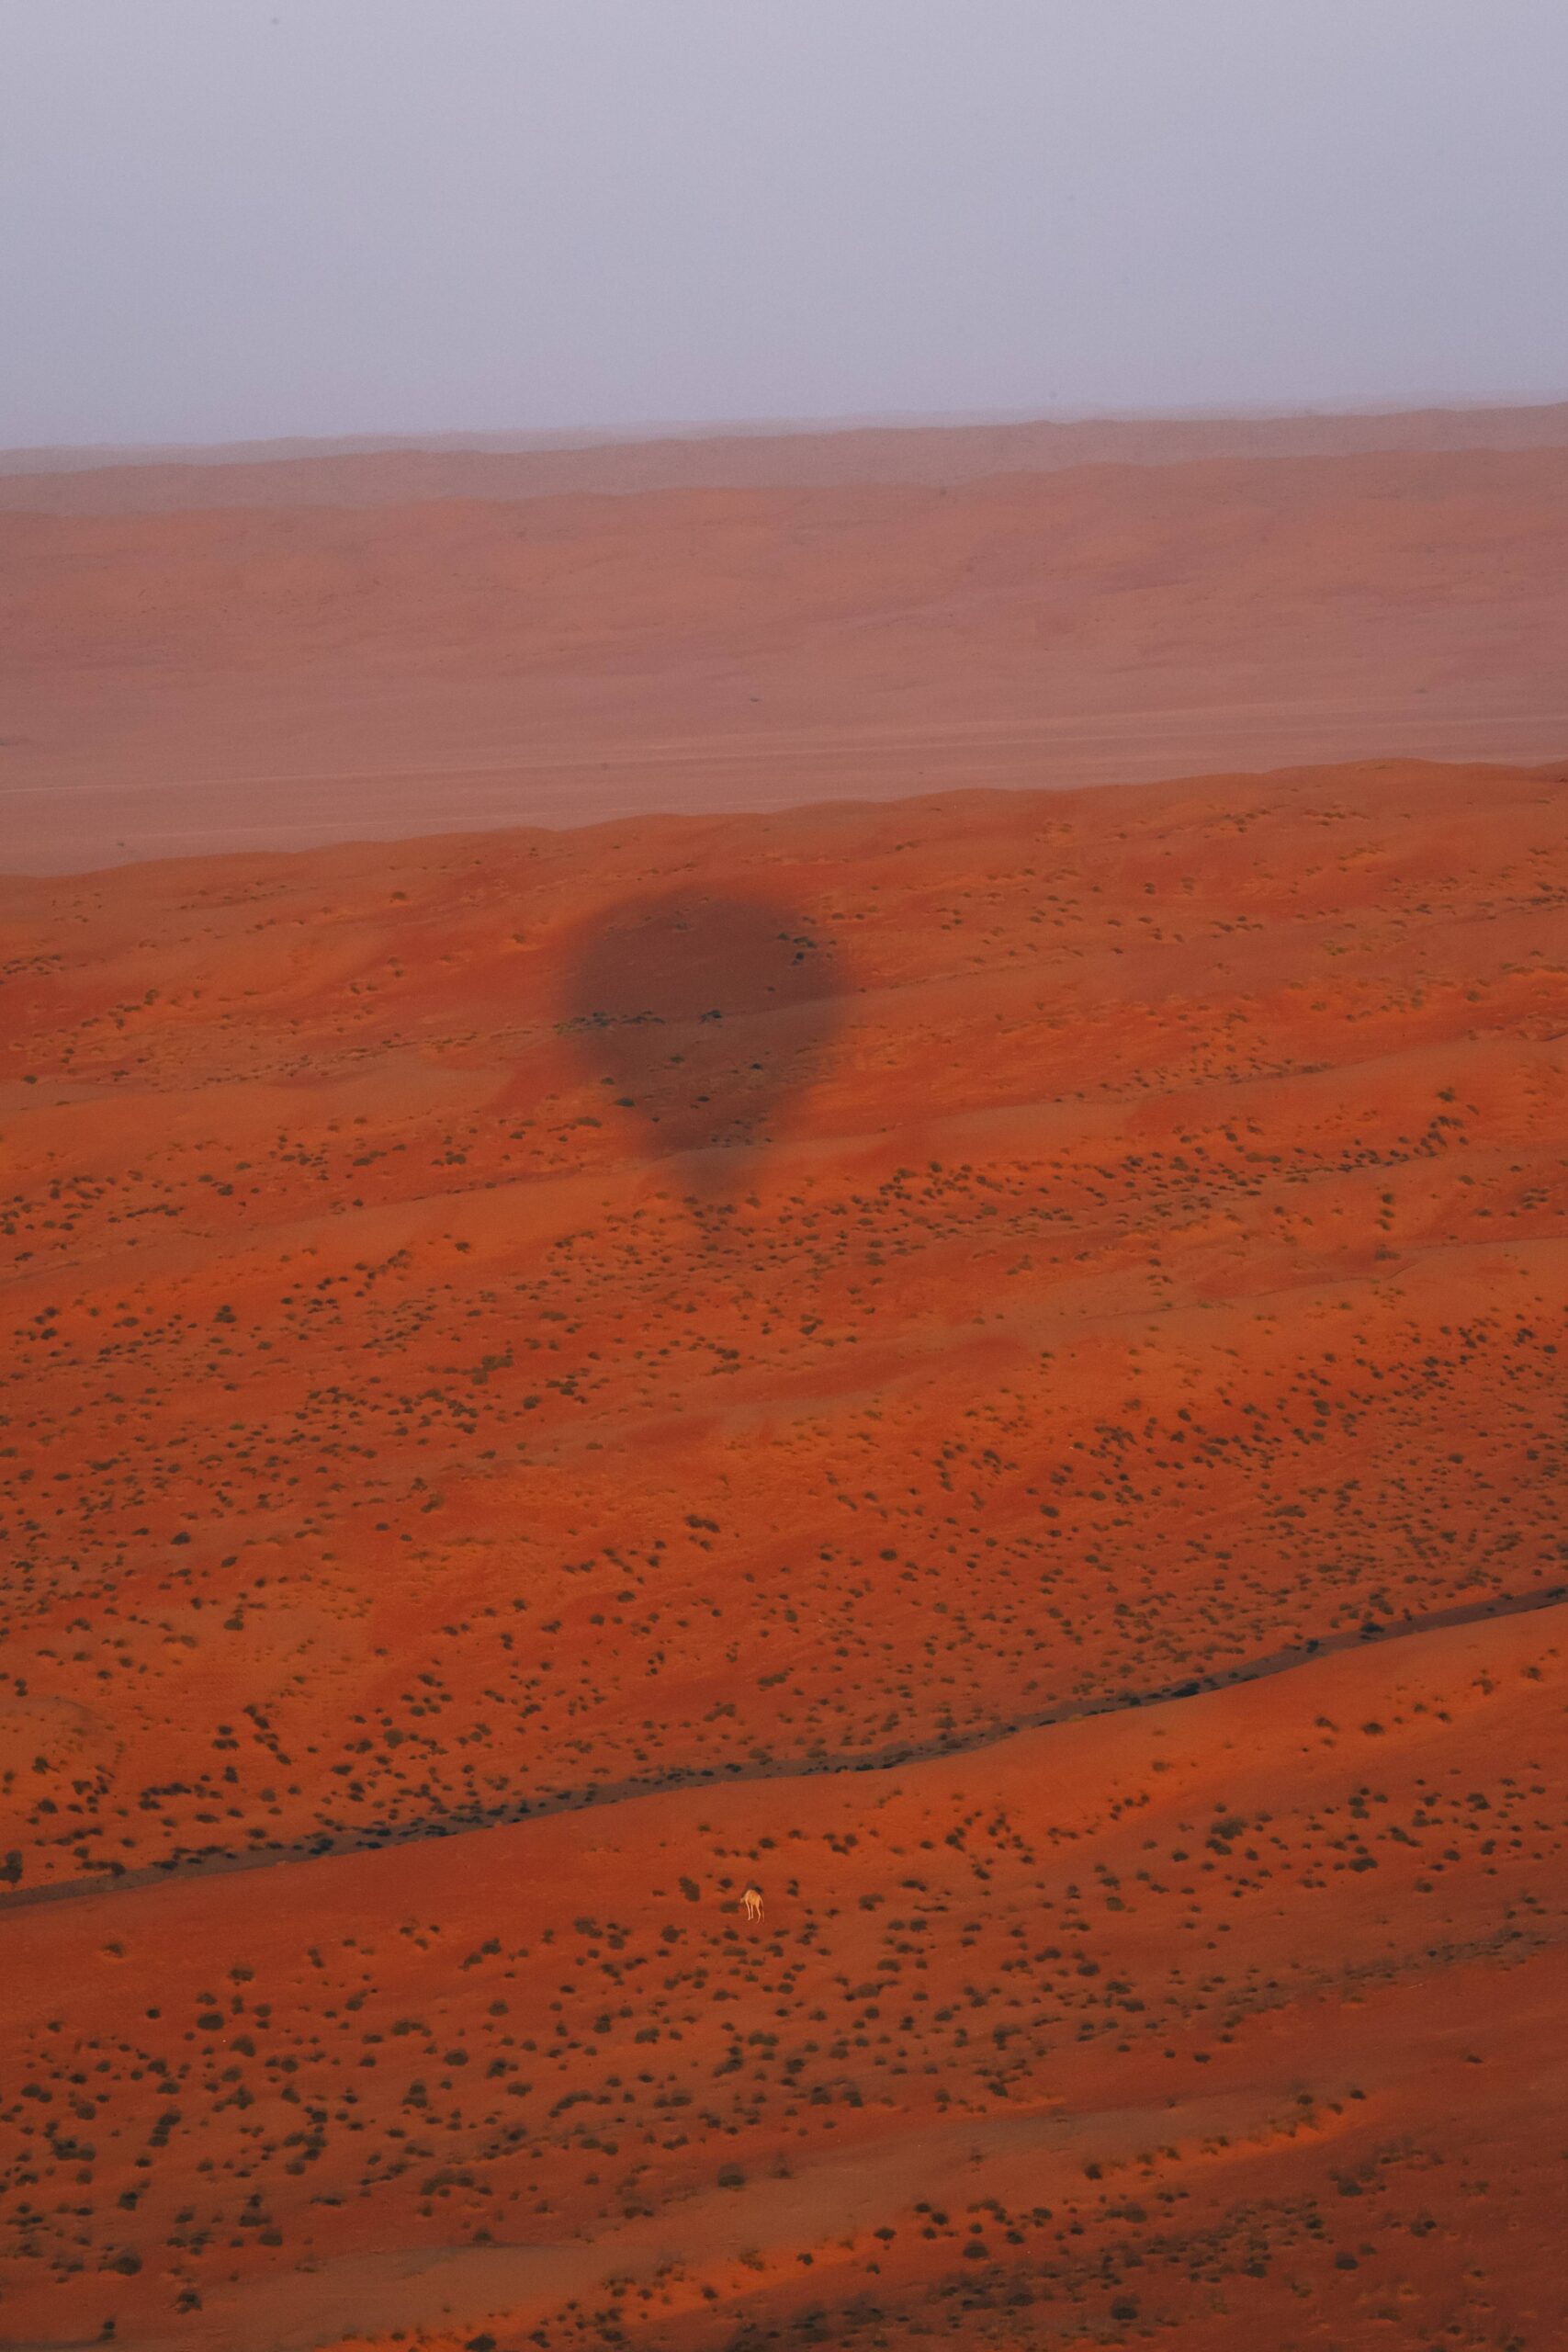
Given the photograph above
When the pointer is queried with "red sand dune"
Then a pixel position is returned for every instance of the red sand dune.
(531, 1355)
(394, 644)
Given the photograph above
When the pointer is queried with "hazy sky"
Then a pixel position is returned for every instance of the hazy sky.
(220, 220)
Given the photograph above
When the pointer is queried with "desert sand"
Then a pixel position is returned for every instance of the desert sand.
(990, 1360)
(197, 658)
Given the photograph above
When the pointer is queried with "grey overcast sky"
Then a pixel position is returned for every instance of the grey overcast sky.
(235, 218)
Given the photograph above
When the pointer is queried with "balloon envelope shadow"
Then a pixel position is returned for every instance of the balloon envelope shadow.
(705, 1018)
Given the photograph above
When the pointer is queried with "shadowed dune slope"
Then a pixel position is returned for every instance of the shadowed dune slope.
(993, 1362)
(229, 677)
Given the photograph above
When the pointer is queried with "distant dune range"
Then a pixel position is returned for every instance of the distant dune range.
(810, 1338)
(354, 643)
(367, 471)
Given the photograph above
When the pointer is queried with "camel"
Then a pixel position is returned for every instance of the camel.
(751, 1896)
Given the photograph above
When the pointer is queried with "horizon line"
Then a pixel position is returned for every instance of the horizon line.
(87, 456)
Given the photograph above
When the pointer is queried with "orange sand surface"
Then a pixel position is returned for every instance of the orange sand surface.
(270, 655)
(991, 1362)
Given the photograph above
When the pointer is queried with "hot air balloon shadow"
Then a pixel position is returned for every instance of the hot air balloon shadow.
(707, 1017)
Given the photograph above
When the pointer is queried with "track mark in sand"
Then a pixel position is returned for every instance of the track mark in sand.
(615, 1792)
